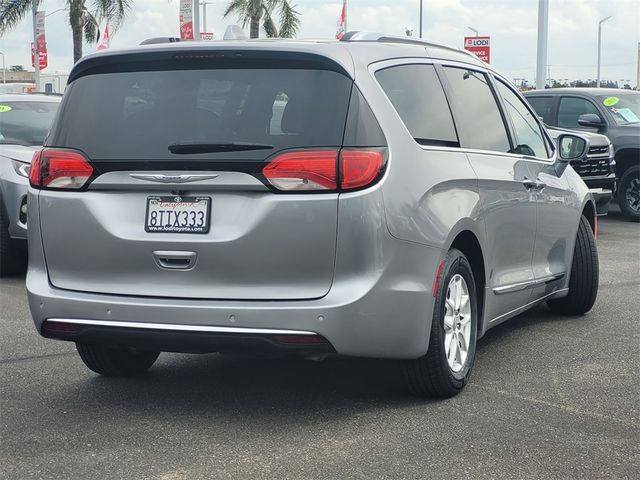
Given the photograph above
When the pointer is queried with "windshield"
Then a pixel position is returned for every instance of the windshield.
(240, 114)
(26, 123)
(624, 107)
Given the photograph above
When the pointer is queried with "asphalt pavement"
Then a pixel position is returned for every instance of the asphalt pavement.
(549, 398)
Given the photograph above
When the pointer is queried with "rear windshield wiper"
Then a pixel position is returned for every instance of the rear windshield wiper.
(187, 148)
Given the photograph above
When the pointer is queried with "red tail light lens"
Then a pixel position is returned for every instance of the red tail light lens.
(360, 167)
(61, 169)
(317, 170)
(303, 170)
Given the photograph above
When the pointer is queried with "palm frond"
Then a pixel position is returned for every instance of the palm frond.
(289, 19)
(91, 28)
(13, 11)
(112, 11)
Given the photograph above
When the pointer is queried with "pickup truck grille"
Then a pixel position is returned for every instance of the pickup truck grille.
(596, 163)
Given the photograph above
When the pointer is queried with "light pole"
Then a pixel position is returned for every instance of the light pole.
(204, 15)
(420, 18)
(599, 46)
(473, 30)
(543, 30)
(4, 69)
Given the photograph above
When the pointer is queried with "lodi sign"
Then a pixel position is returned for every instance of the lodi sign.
(480, 46)
(186, 20)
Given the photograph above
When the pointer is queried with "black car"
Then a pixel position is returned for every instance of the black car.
(611, 112)
(596, 167)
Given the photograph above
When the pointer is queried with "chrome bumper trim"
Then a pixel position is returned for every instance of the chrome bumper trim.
(180, 328)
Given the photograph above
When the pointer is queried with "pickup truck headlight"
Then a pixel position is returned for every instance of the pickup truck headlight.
(22, 168)
(612, 161)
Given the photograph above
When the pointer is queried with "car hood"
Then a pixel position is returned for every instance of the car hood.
(18, 152)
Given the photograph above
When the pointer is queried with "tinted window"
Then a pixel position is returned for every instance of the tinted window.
(137, 115)
(623, 107)
(476, 112)
(571, 108)
(543, 107)
(529, 137)
(417, 96)
(26, 123)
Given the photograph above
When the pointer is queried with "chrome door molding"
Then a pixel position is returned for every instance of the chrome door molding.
(515, 287)
(521, 309)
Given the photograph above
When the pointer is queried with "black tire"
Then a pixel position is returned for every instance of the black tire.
(431, 375)
(115, 362)
(630, 207)
(583, 282)
(13, 253)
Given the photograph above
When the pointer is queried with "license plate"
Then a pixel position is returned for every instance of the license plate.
(178, 214)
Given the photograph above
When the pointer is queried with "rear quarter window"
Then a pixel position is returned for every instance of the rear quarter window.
(417, 95)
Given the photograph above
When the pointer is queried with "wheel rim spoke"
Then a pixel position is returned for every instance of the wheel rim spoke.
(457, 323)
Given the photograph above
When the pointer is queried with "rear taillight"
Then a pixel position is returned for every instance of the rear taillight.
(303, 170)
(317, 170)
(60, 169)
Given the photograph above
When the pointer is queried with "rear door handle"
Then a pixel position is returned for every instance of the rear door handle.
(175, 260)
(533, 184)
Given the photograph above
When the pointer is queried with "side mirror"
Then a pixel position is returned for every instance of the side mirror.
(590, 120)
(570, 147)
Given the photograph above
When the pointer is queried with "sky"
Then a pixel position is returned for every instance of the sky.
(512, 25)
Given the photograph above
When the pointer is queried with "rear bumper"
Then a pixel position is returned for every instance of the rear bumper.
(380, 303)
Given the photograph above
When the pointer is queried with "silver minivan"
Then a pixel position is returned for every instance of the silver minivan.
(373, 197)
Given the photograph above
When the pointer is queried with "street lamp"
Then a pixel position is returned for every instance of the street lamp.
(204, 14)
(4, 69)
(599, 45)
(473, 30)
(420, 18)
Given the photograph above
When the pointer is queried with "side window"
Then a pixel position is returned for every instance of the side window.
(529, 137)
(417, 95)
(571, 108)
(543, 107)
(476, 112)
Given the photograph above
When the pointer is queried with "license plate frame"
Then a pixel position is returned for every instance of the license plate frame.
(175, 224)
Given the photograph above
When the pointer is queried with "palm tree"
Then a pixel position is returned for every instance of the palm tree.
(83, 19)
(253, 11)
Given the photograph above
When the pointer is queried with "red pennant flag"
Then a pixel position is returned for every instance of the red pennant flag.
(342, 22)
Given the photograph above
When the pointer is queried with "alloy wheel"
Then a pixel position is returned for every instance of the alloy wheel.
(457, 323)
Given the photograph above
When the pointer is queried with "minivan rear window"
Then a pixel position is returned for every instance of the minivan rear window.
(139, 115)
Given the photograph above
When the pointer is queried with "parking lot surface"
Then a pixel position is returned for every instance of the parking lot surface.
(550, 397)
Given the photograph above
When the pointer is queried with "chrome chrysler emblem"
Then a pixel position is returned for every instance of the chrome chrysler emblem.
(154, 177)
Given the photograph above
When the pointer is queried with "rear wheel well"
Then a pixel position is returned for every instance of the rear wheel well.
(468, 244)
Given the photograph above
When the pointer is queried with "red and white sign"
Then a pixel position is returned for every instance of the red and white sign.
(206, 36)
(186, 20)
(42, 56)
(480, 46)
(342, 21)
(104, 41)
(41, 43)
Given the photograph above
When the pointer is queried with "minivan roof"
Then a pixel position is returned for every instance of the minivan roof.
(350, 55)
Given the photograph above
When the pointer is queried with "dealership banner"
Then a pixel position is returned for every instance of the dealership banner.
(41, 42)
(480, 46)
(186, 20)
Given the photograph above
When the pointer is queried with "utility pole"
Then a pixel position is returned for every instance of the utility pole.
(204, 15)
(36, 55)
(4, 69)
(420, 18)
(196, 20)
(543, 30)
(600, 46)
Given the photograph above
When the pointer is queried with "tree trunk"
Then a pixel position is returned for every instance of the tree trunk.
(255, 27)
(77, 35)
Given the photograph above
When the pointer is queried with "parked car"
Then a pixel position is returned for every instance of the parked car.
(406, 200)
(596, 167)
(608, 111)
(24, 123)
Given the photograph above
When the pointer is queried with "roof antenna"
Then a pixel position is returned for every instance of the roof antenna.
(234, 32)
